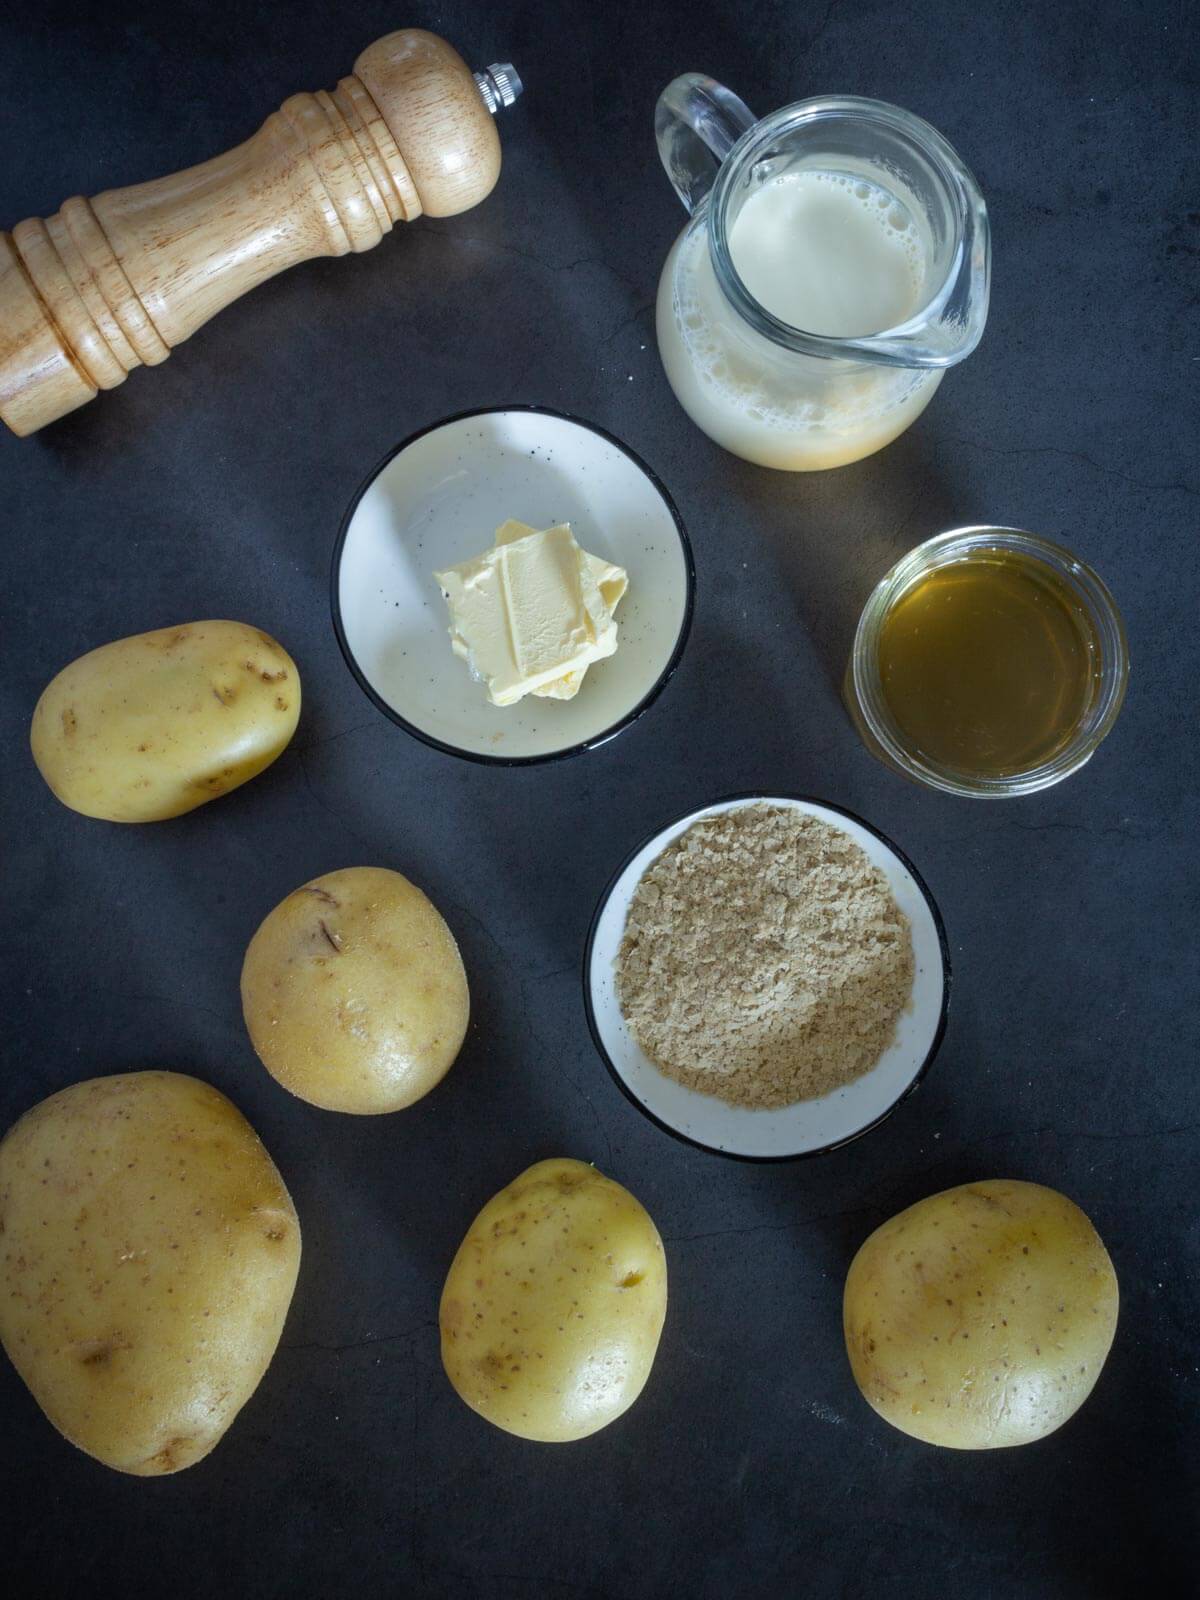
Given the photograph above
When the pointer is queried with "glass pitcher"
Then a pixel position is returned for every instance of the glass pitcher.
(779, 394)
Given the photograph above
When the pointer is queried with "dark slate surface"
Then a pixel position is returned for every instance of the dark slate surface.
(213, 486)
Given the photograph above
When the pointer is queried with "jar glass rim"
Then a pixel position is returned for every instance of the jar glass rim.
(900, 345)
(1089, 589)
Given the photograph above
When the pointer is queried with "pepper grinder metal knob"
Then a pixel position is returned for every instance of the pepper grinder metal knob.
(500, 85)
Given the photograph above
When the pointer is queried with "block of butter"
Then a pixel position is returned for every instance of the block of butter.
(530, 615)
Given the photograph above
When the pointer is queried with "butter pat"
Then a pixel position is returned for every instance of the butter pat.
(530, 615)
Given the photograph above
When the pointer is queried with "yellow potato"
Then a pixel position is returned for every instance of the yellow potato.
(354, 992)
(148, 1253)
(554, 1304)
(152, 726)
(981, 1317)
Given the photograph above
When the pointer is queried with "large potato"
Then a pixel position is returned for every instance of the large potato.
(152, 726)
(981, 1316)
(554, 1304)
(354, 992)
(149, 1252)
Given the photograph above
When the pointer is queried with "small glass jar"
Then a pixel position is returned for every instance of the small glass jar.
(863, 688)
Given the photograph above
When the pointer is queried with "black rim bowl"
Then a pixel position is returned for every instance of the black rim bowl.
(430, 739)
(796, 1155)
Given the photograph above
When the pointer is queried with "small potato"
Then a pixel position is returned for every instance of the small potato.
(148, 1253)
(981, 1317)
(554, 1304)
(152, 726)
(354, 992)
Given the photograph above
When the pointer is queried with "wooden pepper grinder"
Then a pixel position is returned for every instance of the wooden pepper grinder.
(116, 282)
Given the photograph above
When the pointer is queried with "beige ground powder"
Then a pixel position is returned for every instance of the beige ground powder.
(764, 959)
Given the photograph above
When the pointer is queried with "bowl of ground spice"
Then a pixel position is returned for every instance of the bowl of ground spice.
(767, 977)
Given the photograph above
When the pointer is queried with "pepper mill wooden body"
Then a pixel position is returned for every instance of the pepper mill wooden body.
(116, 282)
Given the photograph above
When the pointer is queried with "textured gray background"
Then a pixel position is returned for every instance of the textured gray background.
(213, 485)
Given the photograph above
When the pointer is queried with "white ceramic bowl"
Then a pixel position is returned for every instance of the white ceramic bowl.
(437, 499)
(810, 1126)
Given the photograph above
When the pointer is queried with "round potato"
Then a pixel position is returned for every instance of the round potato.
(152, 726)
(354, 992)
(148, 1253)
(554, 1304)
(981, 1317)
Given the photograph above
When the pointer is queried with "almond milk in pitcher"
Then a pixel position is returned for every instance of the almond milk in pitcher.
(839, 264)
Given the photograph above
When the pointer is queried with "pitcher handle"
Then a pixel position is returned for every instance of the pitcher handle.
(697, 122)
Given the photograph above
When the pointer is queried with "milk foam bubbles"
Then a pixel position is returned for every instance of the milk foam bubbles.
(830, 253)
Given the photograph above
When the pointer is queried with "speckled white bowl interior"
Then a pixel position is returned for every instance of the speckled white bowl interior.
(810, 1125)
(437, 501)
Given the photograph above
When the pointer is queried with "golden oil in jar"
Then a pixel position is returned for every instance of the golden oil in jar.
(989, 664)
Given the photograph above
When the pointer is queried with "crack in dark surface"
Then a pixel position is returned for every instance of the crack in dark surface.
(954, 1149)
(830, 11)
(1073, 455)
(626, 322)
(567, 1076)
(597, 1119)
(328, 809)
(332, 738)
(457, 909)
(1115, 830)
(360, 1344)
(167, 1000)
(530, 1583)
(768, 1227)
(502, 248)
(414, 1509)
(554, 972)
(902, 526)
(1080, 827)
(1089, 1136)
